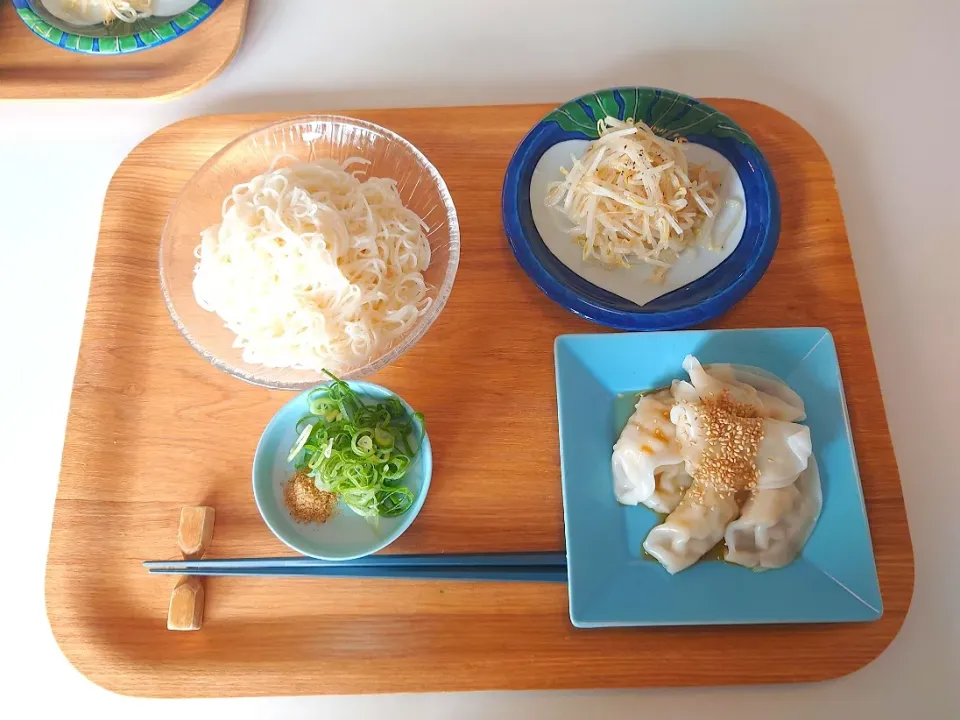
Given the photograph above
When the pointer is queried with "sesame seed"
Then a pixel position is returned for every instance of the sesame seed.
(733, 434)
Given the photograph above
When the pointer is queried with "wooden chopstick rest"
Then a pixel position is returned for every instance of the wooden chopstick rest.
(193, 539)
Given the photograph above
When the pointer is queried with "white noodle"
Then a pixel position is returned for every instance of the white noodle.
(313, 268)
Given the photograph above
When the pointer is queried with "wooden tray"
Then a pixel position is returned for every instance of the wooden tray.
(32, 68)
(153, 427)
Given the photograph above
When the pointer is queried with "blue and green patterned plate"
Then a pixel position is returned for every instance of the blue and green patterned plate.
(118, 38)
(673, 116)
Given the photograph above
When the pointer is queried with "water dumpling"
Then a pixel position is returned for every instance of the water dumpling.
(781, 455)
(784, 453)
(671, 482)
(647, 447)
(778, 400)
(769, 396)
(692, 529)
(729, 449)
(775, 524)
(743, 456)
(785, 447)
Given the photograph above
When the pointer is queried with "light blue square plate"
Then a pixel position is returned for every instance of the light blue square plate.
(611, 582)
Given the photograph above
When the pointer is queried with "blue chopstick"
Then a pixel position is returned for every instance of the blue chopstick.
(265, 565)
(502, 573)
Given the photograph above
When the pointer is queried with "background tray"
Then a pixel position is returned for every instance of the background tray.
(153, 427)
(32, 68)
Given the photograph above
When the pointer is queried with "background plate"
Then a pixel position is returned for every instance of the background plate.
(129, 38)
(33, 68)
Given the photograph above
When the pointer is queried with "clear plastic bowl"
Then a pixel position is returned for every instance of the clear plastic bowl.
(307, 138)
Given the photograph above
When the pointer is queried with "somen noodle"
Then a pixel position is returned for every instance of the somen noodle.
(312, 267)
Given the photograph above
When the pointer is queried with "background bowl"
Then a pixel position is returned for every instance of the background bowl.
(307, 138)
(671, 115)
(117, 38)
(346, 535)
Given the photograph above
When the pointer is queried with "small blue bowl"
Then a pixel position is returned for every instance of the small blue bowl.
(611, 581)
(101, 39)
(673, 116)
(346, 535)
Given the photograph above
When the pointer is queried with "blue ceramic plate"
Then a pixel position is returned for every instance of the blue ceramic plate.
(611, 581)
(346, 535)
(673, 116)
(118, 38)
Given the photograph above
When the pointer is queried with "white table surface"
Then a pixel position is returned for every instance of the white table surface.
(876, 83)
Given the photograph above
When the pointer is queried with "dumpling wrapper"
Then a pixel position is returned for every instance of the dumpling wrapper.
(672, 481)
(785, 451)
(776, 524)
(786, 446)
(767, 394)
(781, 456)
(646, 446)
(782, 510)
(690, 531)
(780, 401)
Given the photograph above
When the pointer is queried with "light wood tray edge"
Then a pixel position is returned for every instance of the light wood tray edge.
(215, 72)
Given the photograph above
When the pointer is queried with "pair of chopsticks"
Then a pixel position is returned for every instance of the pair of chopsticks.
(517, 567)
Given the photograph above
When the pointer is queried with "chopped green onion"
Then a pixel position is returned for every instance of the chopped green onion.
(362, 445)
(301, 441)
(360, 452)
(382, 437)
